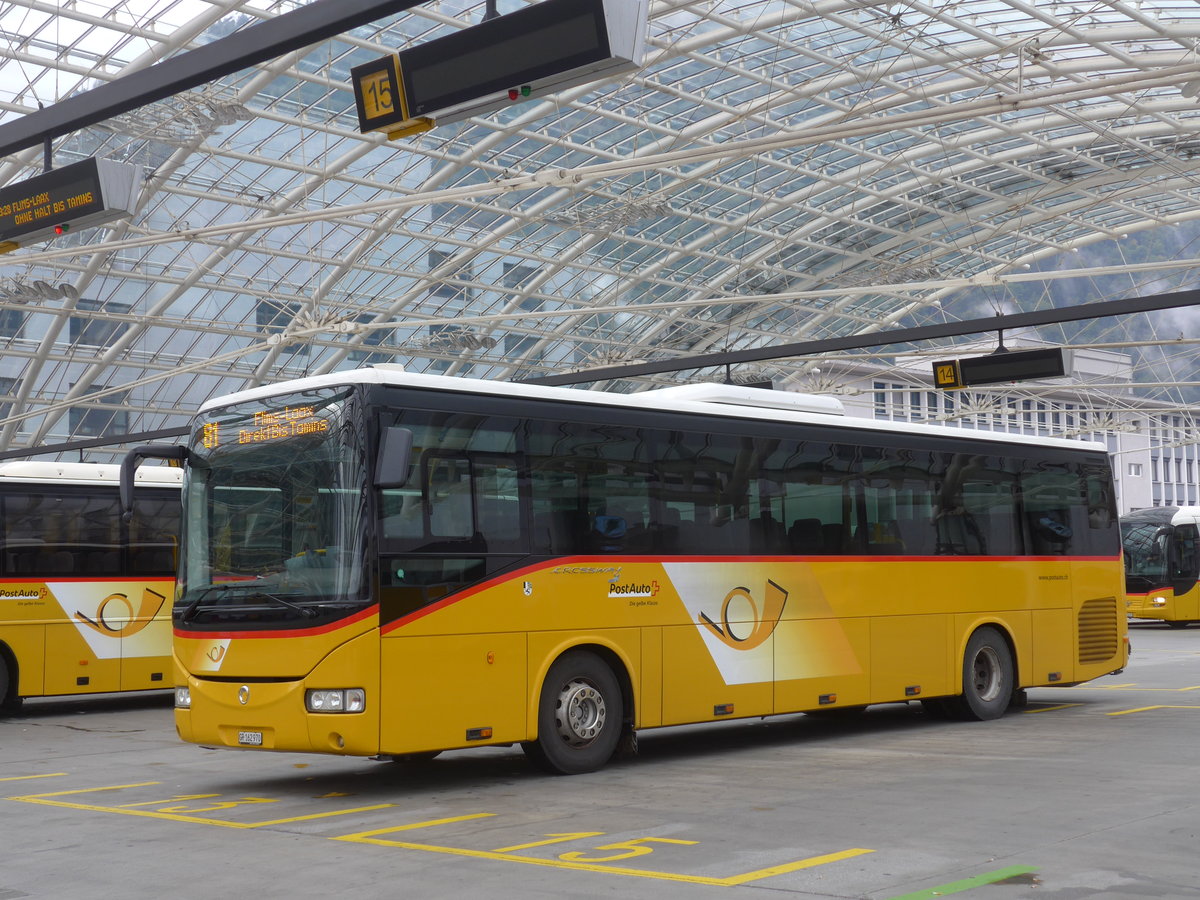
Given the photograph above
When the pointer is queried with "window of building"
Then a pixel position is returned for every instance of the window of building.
(97, 332)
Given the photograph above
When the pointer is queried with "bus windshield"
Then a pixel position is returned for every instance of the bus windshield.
(1145, 550)
(277, 507)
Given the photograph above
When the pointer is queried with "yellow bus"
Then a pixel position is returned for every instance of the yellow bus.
(84, 596)
(392, 565)
(1162, 565)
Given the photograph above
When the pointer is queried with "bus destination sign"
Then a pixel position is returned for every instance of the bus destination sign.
(270, 426)
(87, 193)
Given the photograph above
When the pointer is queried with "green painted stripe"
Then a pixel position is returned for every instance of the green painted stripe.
(966, 884)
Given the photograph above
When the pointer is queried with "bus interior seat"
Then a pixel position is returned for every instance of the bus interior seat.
(880, 538)
(804, 537)
(768, 535)
(557, 531)
(833, 537)
(22, 561)
(55, 562)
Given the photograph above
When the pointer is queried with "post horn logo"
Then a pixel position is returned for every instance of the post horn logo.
(121, 621)
(746, 632)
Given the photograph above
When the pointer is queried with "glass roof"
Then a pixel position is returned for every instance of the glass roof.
(778, 170)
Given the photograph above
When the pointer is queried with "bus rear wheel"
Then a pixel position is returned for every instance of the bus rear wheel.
(579, 716)
(9, 701)
(987, 677)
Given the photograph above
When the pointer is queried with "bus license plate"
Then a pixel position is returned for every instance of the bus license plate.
(250, 738)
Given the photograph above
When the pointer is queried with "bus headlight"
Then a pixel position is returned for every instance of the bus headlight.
(1159, 601)
(347, 700)
(183, 698)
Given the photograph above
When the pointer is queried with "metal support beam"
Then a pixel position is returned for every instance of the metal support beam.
(317, 21)
(1125, 307)
(115, 440)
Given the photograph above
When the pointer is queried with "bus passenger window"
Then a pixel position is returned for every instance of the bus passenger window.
(448, 483)
(1049, 496)
(976, 508)
(1184, 559)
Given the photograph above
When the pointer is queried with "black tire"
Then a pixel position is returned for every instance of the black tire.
(987, 677)
(580, 715)
(9, 701)
(938, 708)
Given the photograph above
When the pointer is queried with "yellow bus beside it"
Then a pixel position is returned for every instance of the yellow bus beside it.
(85, 598)
(393, 565)
(1162, 565)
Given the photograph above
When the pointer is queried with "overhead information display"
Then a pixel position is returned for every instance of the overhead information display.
(1020, 365)
(86, 193)
(378, 95)
(535, 51)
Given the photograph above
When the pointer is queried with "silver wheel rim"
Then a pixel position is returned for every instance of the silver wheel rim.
(985, 674)
(580, 713)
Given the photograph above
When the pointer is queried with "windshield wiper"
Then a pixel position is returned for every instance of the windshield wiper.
(191, 608)
(307, 611)
(195, 606)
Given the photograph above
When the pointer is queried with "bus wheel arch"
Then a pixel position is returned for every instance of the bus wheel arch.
(9, 701)
(989, 675)
(584, 707)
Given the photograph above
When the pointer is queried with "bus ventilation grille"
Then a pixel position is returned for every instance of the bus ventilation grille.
(1098, 630)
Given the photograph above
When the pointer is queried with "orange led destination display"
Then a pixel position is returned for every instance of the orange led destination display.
(91, 192)
(291, 421)
(270, 425)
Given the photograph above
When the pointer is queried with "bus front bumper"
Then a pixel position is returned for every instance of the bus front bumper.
(271, 715)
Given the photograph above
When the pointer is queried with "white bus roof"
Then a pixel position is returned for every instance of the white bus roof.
(86, 473)
(730, 401)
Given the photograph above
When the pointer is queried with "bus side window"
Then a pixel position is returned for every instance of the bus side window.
(448, 489)
(590, 488)
(153, 546)
(1184, 559)
(976, 512)
(1049, 495)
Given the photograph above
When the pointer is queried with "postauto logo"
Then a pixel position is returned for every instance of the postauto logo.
(751, 623)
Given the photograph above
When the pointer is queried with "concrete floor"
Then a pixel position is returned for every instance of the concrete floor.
(1089, 792)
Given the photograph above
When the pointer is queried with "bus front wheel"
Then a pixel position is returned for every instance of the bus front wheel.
(987, 677)
(579, 716)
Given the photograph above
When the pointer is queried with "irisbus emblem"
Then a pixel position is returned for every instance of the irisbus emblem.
(743, 624)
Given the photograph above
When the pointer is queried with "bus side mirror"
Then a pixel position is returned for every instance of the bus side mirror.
(133, 459)
(395, 452)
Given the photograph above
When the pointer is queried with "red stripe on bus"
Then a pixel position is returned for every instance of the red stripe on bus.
(288, 633)
(600, 562)
(124, 579)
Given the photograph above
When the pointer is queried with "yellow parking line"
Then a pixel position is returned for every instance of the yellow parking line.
(1126, 712)
(113, 787)
(321, 815)
(1051, 708)
(47, 800)
(795, 866)
(1134, 688)
(26, 777)
(372, 837)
